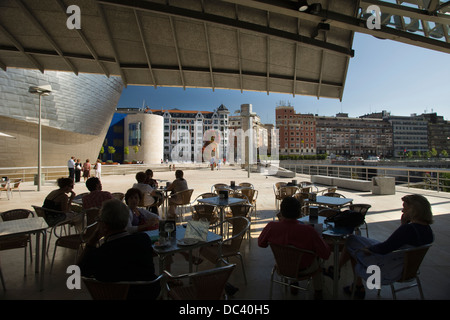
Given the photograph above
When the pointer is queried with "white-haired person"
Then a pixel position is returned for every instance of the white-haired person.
(121, 256)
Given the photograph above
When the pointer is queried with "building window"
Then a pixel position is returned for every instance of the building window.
(134, 134)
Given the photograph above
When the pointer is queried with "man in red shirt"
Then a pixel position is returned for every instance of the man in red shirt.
(290, 231)
(96, 196)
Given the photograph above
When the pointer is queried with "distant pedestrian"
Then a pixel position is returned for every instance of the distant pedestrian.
(98, 169)
(86, 170)
(71, 167)
(77, 170)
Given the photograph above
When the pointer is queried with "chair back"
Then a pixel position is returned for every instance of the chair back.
(288, 259)
(205, 285)
(240, 210)
(205, 195)
(359, 207)
(288, 191)
(100, 290)
(185, 196)
(118, 195)
(16, 214)
(15, 183)
(250, 193)
(334, 194)
(240, 226)
(204, 211)
(91, 215)
(246, 185)
(219, 186)
(412, 260)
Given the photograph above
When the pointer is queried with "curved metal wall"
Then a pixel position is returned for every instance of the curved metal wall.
(75, 117)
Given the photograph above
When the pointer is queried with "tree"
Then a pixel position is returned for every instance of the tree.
(136, 149)
(126, 151)
(111, 151)
(434, 152)
(444, 153)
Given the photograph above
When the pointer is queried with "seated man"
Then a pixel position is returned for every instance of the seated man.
(149, 194)
(122, 256)
(290, 231)
(95, 198)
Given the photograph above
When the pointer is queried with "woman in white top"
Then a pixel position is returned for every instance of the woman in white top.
(140, 218)
(98, 169)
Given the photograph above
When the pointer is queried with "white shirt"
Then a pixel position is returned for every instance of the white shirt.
(71, 164)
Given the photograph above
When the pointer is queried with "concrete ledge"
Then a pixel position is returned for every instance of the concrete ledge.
(283, 173)
(322, 180)
(353, 184)
(383, 185)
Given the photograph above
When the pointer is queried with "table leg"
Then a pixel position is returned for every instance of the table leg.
(336, 270)
(44, 241)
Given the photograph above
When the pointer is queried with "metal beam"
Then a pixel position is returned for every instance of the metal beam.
(350, 23)
(144, 46)
(177, 52)
(45, 33)
(85, 41)
(19, 47)
(111, 42)
(234, 23)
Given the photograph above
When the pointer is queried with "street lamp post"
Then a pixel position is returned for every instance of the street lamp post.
(41, 91)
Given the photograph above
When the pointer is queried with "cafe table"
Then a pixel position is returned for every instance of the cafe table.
(177, 246)
(222, 203)
(333, 202)
(336, 236)
(35, 225)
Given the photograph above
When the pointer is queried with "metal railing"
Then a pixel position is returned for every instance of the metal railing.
(413, 177)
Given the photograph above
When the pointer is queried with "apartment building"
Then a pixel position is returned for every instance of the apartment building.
(297, 132)
(348, 137)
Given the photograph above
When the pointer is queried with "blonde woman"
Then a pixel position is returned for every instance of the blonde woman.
(414, 231)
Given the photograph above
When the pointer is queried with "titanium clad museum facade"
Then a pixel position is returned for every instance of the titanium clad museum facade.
(75, 116)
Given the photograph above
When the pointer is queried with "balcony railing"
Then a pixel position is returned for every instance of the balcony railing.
(413, 177)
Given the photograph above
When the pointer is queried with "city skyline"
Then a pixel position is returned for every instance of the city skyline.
(383, 75)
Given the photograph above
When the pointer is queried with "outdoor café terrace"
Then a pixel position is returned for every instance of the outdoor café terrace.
(382, 219)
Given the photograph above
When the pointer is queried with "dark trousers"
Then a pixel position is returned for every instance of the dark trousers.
(72, 173)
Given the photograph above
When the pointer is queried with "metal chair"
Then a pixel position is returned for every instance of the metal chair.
(182, 200)
(73, 241)
(412, 260)
(284, 192)
(14, 184)
(19, 241)
(246, 185)
(219, 186)
(230, 246)
(362, 208)
(276, 191)
(202, 285)
(288, 262)
(118, 195)
(101, 290)
(251, 195)
(204, 211)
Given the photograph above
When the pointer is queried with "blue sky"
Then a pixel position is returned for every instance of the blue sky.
(383, 75)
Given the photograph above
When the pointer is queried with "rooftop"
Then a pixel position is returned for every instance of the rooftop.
(383, 218)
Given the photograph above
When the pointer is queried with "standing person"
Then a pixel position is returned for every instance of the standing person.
(77, 170)
(86, 170)
(122, 256)
(71, 167)
(179, 184)
(290, 231)
(98, 169)
(414, 231)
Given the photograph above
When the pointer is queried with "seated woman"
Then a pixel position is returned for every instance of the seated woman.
(179, 184)
(140, 219)
(59, 200)
(414, 231)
